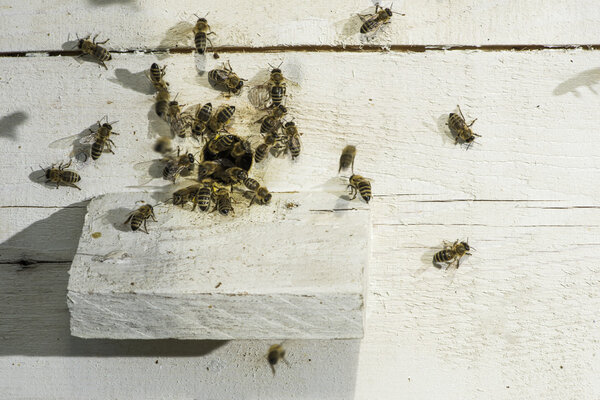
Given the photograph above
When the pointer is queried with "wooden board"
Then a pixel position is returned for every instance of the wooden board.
(160, 24)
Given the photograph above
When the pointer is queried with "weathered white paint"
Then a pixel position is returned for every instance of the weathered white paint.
(292, 269)
(155, 24)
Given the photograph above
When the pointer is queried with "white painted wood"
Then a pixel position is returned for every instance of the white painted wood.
(535, 110)
(155, 24)
(292, 269)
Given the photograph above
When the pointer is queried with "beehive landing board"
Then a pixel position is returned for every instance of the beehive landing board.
(290, 269)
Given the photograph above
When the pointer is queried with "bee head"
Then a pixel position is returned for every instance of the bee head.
(191, 158)
(80, 43)
(202, 20)
(48, 173)
(173, 103)
(451, 115)
(239, 86)
(466, 246)
(470, 139)
(276, 71)
(232, 108)
(107, 126)
(388, 12)
(288, 124)
(282, 108)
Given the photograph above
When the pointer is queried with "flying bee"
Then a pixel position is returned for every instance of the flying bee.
(176, 165)
(276, 353)
(162, 103)
(61, 175)
(225, 79)
(207, 168)
(292, 137)
(223, 202)
(272, 122)
(163, 145)
(94, 49)
(140, 216)
(221, 143)
(373, 22)
(359, 184)
(452, 253)
(156, 76)
(459, 128)
(203, 115)
(102, 140)
(201, 32)
(262, 150)
(261, 195)
(347, 158)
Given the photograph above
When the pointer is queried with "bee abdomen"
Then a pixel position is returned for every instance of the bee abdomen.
(364, 187)
(162, 108)
(277, 93)
(261, 152)
(224, 205)
(251, 184)
(443, 256)
(225, 114)
(268, 125)
(200, 42)
(102, 54)
(70, 177)
(97, 149)
(294, 146)
(204, 198)
(136, 221)
(368, 26)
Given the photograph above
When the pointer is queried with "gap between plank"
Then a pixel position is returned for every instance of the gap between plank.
(320, 48)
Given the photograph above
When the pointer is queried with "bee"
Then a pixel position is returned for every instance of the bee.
(277, 92)
(263, 149)
(61, 175)
(182, 196)
(94, 49)
(452, 253)
(156, 76)
(223, 202)
(162, 103)
(241, 148)
(207, 168)
(272, 122)
(203, 195)
(235, 175)
(176, 165)
(261, 195)
(221, 118)
(251, 184)
(459, 128)
(176, 120)
(276, 353)
(221, 143)
(201, 32)
(102, 140)
(203, 115)
(347, 158)
(163, 145)
(225, 79)
(373, 22)
(293, 138)
(140, 216)
(359, 184)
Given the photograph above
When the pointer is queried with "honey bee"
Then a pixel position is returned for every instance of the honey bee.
(221, 143)
(201, 32)
(156, 76)
(235, 175)
(293, 138)
(94, 49)
(207, 168)
(373, 22)
(241, 148)
(262, 150)
(182, 196)
(276, 353)
(176, 119)
(163, 145)
(221, 118)
(261, 195)
(452, 253)
(225, 79)
(102, 140)
(272, 122)
(203, 195)
(223, 202)
(359, 184)
(61, 175)
(347, 158)
(176, 165)
(140, 216)
(251, 184)
(277, 92)
(162, 103)
(459, 128)
(203, 115)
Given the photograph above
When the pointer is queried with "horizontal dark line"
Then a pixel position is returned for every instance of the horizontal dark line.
(54, 207)
(321, 48)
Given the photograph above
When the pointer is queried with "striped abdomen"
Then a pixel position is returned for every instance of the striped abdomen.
(251, 184)
(456, 123)
(277, 93)
(225, 114)
(155, 73)
(261, 152)
(369, 25)
(224, 203)
(200, 42)
(97, 149)
(294, 145)
(203, 198)
(203, 114)
(136, 220)
(162, 107)
(101, 53)
(223, 142)
(69, 176)
(443, 256)
(362, 185)
(269, 124)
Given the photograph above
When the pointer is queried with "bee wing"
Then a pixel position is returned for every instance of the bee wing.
(151, 170)
(259, 96)
(68, 141)
(222, 74)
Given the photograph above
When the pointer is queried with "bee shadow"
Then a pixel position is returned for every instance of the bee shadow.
(200, 63)
(137, 81)
(586, 78)
(81, 151)
(178, 34)
(9, 124)
(117, 217)
(350, 27)
(427, 260)
(440, 124)
(39, 176)
(157, 126)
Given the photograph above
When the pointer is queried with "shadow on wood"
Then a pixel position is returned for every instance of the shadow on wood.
(51, 239)
(9, 124)
(137, 81)
(586, 78)
(35, 321)
(179, 35)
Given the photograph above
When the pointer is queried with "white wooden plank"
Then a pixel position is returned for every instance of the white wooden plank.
(535, 114)
(270, 272)
(153, 24)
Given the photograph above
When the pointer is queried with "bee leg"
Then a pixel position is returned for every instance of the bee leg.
(145, 227)
(472, 122)
(104, 65)
(252, 201)
(106, 41)
(153, 217)
(67, 165)
(74, 185)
